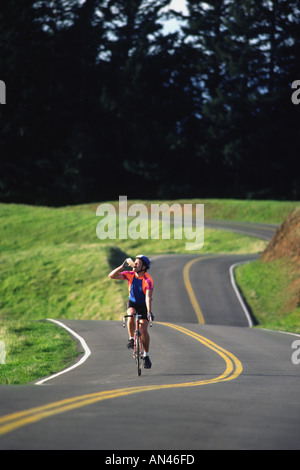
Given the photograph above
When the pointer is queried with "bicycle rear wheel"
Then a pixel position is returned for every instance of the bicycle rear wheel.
(139, 355)
(138, 352)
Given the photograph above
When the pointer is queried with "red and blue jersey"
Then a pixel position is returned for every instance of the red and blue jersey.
(137, 287)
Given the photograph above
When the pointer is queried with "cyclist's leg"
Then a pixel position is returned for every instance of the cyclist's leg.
(145, 335)
(131, 322)
(146, 343)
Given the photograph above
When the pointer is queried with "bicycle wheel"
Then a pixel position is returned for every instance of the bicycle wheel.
(141, 354)
(138, 353)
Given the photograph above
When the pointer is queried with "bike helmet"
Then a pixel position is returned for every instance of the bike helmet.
(145, 260)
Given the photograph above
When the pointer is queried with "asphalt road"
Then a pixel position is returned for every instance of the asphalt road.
(215, 383)
(259, 230)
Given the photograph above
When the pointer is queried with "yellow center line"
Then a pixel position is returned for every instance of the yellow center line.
(232, 370)
(188, 286)
(233, 365)
(16, 420)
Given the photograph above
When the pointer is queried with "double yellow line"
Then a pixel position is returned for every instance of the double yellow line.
(232, 370)
(16, 420)
(188, 286)
(233, 365)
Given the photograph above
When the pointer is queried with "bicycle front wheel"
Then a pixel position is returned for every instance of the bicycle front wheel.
(138, 355)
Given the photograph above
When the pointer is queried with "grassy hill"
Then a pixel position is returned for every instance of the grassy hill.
(53, 265)
(272, 283)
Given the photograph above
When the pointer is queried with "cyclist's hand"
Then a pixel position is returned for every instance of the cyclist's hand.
(150, 316)
(127, 263)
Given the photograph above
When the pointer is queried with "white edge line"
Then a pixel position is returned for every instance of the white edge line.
(248, 316)
(243, 303)
(86, 349)
(279, 331)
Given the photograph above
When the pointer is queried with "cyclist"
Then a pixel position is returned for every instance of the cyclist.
(140, 287)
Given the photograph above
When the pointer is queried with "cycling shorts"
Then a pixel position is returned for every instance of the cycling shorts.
(141, 309)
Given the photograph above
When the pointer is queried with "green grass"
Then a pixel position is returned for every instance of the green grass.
(269, 212)
(52, 265)
(270, 291)
(60, 281)
(34, 350)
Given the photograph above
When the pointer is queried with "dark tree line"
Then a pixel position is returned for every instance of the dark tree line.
(102, 102)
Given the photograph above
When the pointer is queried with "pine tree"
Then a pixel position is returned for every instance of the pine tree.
(247, 50)
(147, 95)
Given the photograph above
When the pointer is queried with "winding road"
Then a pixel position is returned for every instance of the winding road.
(215, 383)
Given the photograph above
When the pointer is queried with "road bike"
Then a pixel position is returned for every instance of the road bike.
(138, 350)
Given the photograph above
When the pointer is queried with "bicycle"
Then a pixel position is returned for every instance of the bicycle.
(138, 350)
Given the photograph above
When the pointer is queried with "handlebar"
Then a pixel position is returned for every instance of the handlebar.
(134, 315)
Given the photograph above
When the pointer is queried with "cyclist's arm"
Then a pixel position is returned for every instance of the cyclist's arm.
(116, 273)
(149, 300)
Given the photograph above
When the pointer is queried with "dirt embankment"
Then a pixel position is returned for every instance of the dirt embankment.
(286, 245)
(286, 241)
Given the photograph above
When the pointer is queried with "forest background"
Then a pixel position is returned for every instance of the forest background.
(103, 100)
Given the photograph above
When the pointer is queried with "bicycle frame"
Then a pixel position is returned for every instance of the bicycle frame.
(138, 350)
